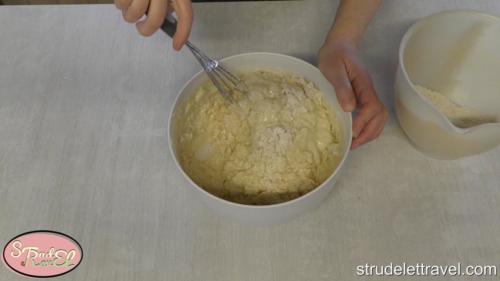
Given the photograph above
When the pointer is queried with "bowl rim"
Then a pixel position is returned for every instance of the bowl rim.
(246, 206)
(402, 48)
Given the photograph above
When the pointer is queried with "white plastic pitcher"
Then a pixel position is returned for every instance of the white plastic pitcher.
(457, 53)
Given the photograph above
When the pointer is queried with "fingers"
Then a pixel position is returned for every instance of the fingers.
(362, 84)
(366, 96)
(154, 20)
(135, 11)
(184, 12)
(367, 112)
(338, 76)
(371, 118)
(372, 129)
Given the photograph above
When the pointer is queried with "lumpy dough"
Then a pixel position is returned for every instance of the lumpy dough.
(277, 142)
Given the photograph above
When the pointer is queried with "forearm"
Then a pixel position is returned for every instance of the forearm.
(353, 16)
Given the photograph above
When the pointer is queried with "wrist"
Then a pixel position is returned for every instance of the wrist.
(341, 38)
(340, 44)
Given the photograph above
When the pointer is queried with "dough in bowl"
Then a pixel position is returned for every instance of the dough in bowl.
(280, 141)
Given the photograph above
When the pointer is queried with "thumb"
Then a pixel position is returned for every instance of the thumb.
(337, 75)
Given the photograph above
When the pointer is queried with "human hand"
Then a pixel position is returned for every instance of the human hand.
(354, 88)
(134, 10)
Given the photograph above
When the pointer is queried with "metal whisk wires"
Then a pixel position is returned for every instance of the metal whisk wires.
(223, 80)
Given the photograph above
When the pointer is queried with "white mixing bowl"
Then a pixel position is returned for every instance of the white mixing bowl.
(267, 214)
(457, 53)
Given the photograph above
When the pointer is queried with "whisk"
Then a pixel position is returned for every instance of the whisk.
(223, 79)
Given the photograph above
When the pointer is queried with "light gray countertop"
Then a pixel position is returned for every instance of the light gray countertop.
(84, 103)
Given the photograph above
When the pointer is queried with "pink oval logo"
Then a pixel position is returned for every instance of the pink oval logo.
(42, 253)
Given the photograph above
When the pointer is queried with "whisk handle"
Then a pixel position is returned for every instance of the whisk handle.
(169, 26)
